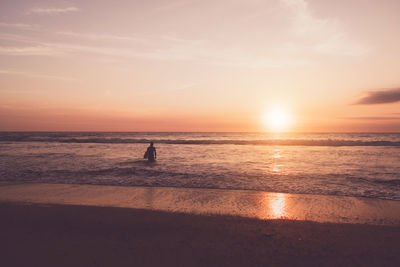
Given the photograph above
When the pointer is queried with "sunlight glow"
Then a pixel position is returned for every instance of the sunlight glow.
(277, 119)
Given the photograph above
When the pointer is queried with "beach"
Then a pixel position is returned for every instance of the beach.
(39, 231)
(65, 235)
(199, 133)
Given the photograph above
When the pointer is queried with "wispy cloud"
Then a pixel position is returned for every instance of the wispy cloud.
(53, 11)
(162, 48)
(373, 118)
(21, 26)
(34, 75)
(322, 35)
(383, 96)
(174, 4)
(29, 51)
(255, 63)
(96, 36)
(16, 38)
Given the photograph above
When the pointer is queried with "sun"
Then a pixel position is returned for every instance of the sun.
(277, 119)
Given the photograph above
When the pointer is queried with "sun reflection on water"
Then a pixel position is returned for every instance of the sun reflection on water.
(278, 206)
(276, 165)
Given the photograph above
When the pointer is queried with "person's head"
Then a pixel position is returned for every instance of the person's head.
(151, 143)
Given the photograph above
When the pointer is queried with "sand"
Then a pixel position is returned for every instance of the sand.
(68, 235)
(78, 230)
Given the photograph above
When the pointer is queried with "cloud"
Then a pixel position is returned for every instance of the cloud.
(15, 38)
(308, 33)
(34, 75)
(53, 11)
(373, 118)
(21, 26)
(321, 35)
(96, 36)
(384, 96)
(29, 51)
(170, 49)
(174, 5)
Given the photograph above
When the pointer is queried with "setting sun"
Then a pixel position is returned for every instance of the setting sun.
(277, 119)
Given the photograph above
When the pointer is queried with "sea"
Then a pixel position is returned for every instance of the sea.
(340, 164)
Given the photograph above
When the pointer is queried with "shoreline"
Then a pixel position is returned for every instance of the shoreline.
(242, 203)
(5, 183)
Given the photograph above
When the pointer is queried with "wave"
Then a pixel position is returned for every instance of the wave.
(270, 142)
(391, 182)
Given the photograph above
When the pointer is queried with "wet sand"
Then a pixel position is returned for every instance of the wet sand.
(34, 231)
(243, 203)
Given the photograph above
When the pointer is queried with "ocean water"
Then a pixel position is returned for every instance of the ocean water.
(346, 164)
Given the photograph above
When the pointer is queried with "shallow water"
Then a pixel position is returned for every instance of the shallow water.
(366, 165)
(243, 203)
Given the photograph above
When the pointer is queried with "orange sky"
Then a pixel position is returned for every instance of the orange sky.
(199, 65)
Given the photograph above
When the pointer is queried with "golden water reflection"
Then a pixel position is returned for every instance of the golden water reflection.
(277, 205)
(277, 168)
(276, 161)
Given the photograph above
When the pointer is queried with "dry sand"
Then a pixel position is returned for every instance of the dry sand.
(80, 225)
(71, 235)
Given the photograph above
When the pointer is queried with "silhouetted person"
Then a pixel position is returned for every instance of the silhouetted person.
(151, 153)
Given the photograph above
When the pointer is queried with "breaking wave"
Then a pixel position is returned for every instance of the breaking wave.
(270, 142)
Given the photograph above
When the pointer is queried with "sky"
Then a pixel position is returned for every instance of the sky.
(199, 65)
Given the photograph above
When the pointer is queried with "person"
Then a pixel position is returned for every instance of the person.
(151, 153)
